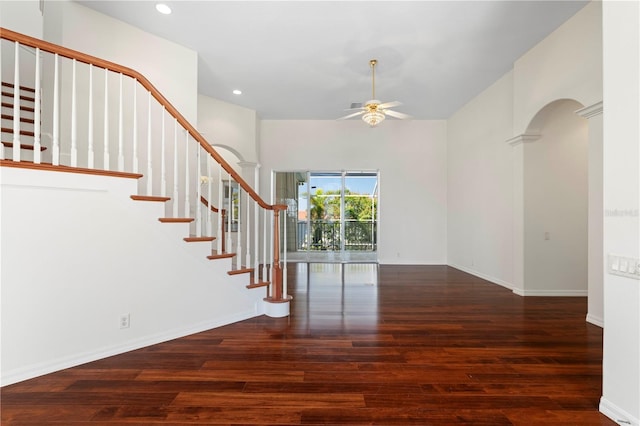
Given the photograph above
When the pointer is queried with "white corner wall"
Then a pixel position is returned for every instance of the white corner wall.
(171, 68)
(229, 126)
(621, 363)
(485, 173)
(411, 157)
(479, 185)
(78, 253)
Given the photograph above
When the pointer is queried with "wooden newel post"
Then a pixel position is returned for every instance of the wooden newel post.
(276, 273)
(277, 305)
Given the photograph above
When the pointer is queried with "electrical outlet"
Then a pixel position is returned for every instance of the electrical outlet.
(124, 321)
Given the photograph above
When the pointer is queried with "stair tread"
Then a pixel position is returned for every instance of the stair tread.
(198, 239)
(149, 198)
(215, 255)
(25, 88)
(22, 107)
(22, 97)
(23, 146)
(176, 219)
(241, 270)
(22, 119)
(22, 132)
(259, 284)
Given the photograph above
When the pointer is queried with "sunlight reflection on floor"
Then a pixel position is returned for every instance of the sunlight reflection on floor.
(337, 295)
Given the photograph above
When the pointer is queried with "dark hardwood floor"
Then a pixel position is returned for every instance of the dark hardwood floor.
(398, 345)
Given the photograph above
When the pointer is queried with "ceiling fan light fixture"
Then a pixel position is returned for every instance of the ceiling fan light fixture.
(372, 118)
(374, 112)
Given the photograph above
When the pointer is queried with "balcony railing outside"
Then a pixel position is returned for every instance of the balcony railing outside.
(325, 235)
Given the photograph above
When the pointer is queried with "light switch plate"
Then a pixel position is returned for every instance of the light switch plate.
(623, 266)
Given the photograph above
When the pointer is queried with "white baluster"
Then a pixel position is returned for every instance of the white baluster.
(135, 126)
(55, 149)
(186, 175)
(229, 215)
(256, 225)
(120, 127)
(149, 153)
(16, 104)
(209, 198)
(247, 249)
(163, 162)
(90, 153)
(198, 194)
(220, 207)
(74, 116)
(105, 163)
(36, 113)
(239, 233)
(176, 190)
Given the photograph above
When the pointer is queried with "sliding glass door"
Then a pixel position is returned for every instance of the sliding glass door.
(331, 216)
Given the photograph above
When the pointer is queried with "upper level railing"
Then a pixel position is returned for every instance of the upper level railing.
(86, 112)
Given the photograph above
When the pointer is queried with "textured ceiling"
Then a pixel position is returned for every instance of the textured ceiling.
(310, 59)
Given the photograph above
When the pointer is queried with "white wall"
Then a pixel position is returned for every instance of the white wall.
(555, 203)
(227, 125)
(479, 185)
(621, 364)
(171, 68)
(22, 16)
(68, 275)
(411, 157)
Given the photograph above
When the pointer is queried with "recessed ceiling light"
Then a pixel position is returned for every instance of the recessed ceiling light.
(237, 92)
(163, 8)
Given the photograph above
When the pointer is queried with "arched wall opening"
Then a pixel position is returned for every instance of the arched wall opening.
(555, 202)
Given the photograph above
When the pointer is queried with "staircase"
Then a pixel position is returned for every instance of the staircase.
(26, 116)
(128, 211)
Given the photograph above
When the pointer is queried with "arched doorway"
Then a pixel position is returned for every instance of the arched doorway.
(555, 202)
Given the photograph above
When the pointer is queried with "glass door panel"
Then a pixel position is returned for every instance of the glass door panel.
(325, 211)
(360, 211)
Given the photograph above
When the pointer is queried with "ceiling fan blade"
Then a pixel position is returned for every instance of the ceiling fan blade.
(389, 104)
(396, 114)
(355, 105)
(351, 115)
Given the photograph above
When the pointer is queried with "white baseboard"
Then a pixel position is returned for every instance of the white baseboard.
(483, 276)
(592, 319)
(616, 413)
(553, 293)
(520, 292)
(36, 370)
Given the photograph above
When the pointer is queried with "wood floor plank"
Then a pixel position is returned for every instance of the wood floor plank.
(415, 345)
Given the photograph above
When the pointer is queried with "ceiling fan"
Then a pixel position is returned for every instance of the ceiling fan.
(373, 112)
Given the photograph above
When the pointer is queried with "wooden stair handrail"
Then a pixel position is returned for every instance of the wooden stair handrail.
(112, 66)
(211, 206)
